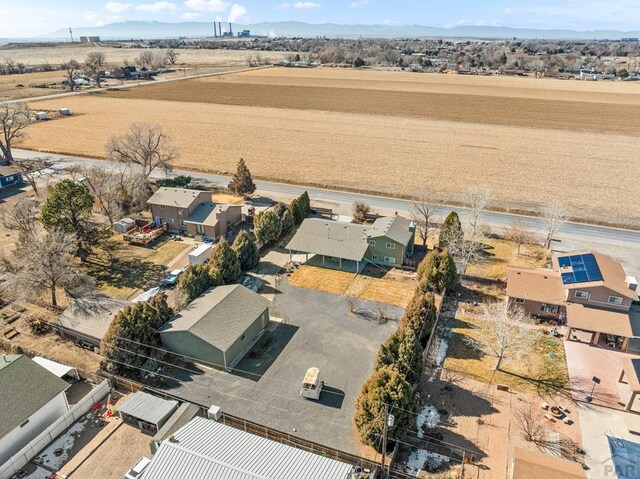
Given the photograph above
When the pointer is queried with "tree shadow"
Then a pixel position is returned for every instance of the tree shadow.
(132, 273)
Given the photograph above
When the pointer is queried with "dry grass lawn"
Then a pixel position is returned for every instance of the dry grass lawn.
(227, 199)
(520, 137)
(382, 290)
(505, 253)
(537, 371)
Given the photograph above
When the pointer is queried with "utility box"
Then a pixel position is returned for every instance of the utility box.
(41, 115)
(214, 413)
(64, 112)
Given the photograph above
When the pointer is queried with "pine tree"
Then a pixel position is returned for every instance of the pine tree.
(267, 227)
(246, 250)
(402, 351)
(195, 280)
(437, 272)
(287, 222)
(385, 386)
(242, 183)
(296, 211)
(451, 228)
(306, 203)
(224, 260)
(419, 316)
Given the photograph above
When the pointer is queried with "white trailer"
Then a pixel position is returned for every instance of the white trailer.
(201, 254)
(312, 384)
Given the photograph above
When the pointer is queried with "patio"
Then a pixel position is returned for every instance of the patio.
(586, 362)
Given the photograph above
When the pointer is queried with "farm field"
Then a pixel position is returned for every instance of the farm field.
(387, 132)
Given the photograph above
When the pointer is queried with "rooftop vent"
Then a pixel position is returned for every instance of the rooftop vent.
(632, 283)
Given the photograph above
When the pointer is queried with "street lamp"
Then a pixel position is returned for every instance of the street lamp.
(596, 380)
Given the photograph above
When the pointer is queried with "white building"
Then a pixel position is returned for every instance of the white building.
(31, 399)
(204, 449)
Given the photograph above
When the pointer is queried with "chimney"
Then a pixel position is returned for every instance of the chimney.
(632, 283)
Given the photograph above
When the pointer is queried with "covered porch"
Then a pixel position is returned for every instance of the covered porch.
(630, 375)
(616, 330)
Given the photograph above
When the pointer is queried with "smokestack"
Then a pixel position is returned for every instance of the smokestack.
(215, 30)
(220, 28)
(230, 31)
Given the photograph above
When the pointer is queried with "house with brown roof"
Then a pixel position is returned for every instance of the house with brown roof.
(588, 291)
(536, 465)
(192, 212)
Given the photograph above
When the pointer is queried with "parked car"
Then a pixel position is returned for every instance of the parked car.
(137, 470)
(172, 278)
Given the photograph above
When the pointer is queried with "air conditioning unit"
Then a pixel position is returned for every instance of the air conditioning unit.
(214, 413)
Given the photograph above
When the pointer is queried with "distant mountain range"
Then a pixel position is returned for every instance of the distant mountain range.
(147, 30)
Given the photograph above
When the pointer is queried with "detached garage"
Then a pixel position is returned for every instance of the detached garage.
(147, 412)
(218, 327)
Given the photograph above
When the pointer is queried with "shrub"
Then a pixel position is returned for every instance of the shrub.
(360, 212)
(179, 181)
(437, 271)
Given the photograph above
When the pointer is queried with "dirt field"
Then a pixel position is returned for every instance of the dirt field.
(508, 135)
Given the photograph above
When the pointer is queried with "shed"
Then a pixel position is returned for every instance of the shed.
(147, 412)
(42, 115)
(124, 225)
(64, 112)
(60, 370)
(218, 327)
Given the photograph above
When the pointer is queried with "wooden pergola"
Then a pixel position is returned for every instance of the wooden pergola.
(630, 375)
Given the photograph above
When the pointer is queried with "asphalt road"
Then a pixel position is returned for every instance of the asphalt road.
(620, 243)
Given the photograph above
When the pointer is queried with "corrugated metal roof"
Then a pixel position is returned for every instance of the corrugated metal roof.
(220, 316)
(330, 238)
(205, 449)
(148, 408)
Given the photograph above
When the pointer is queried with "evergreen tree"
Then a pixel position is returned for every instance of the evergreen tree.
(267, 227)
(306, 203)
(242, 183)
(68, 208)
(296, 211)
(279, 208)
(419, 316)
(195, 280)
(437, 272)
(131, 337)
(402, 351)
(224, 260)
(287, 222)
(246, 250)
(385, 386)
(451, 228)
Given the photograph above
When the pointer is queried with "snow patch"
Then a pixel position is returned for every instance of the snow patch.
(426, 460)
(441, 353)
(428, 417)
(63, 445)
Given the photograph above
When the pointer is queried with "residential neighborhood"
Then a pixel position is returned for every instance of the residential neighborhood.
(261, 255)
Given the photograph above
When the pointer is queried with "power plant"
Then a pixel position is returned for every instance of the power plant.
(218, 33)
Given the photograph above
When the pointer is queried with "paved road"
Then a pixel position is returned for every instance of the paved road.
(620, 243)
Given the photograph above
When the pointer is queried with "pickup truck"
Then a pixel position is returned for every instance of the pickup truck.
(172, 278)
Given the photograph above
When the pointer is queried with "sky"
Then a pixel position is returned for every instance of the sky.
(32, 18)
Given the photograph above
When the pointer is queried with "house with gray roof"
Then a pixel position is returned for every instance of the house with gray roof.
(386, 242)
(218, 327)
(31, 399)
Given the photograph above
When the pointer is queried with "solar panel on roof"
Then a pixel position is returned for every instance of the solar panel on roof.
(584, 269)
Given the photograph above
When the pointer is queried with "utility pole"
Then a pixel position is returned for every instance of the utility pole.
(388, 422)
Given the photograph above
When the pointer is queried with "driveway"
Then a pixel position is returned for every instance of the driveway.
(317, 331)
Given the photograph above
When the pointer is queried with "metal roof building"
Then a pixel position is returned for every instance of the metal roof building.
(146, 411)
(205, 449)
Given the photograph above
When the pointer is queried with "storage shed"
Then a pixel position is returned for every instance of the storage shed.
(147, 412)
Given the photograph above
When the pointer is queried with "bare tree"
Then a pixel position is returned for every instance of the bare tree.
(423, 212)
(476, 200)
(43, 263)
(360, 212)
(520, 233)
(532, 429)
(14, 118)
(104, 184)
(22, 216)
(556, 215)
(145, 146)
(171, 56)
(145, 59)
(72, 67)
(94, 63)
(466, 252)
(505, 332)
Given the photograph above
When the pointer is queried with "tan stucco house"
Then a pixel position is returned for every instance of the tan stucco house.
(589, 291)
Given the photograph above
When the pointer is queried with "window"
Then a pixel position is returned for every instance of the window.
(391, 246)
(582, 294)
(519, 301)
(374, 257)
(614, 300)
(161, 207)
(9, 178)
(372, 242)
(549, 309)
(389, 259)
(24, 423)
(180, 212)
